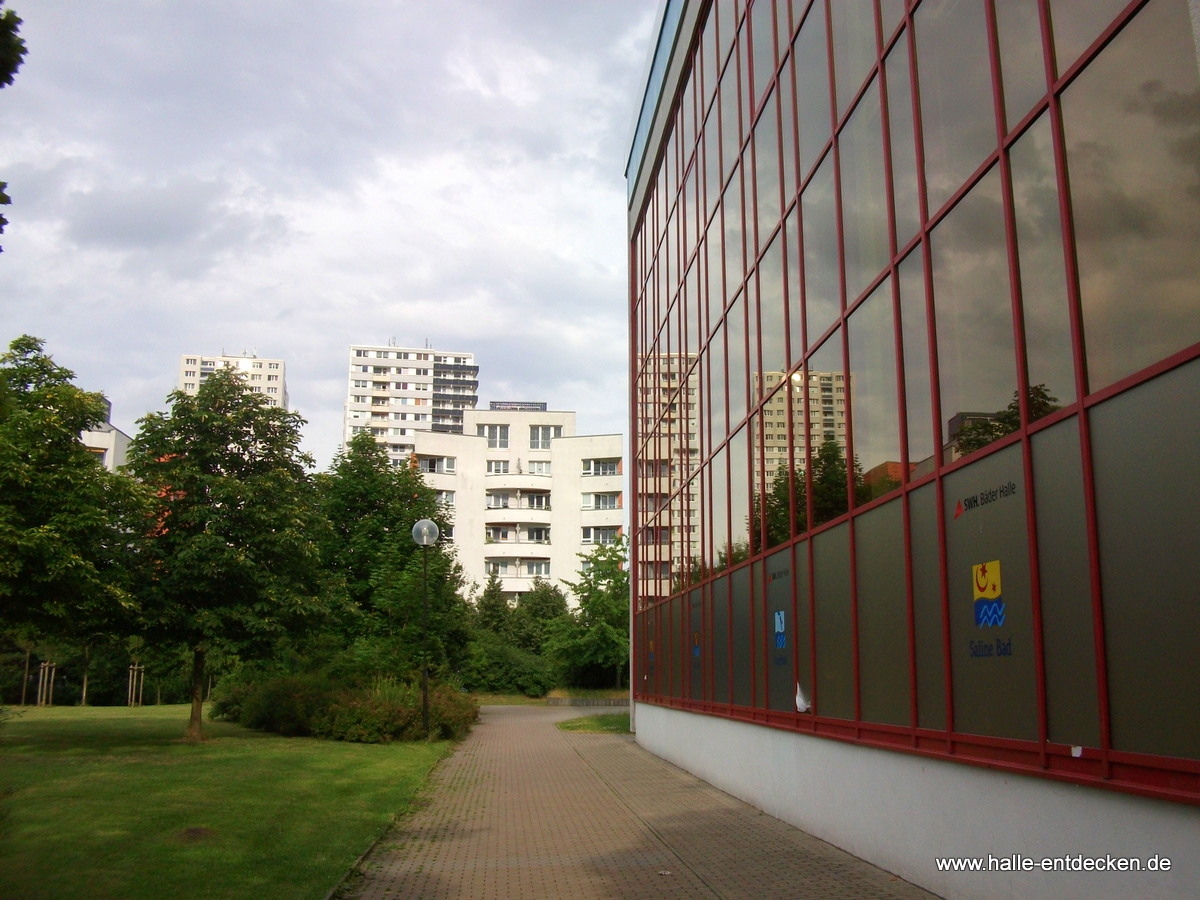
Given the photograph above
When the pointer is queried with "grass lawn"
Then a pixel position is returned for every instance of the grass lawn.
(606, 723)
(108, 804)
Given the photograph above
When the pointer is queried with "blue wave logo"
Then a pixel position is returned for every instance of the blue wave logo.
(989, 613)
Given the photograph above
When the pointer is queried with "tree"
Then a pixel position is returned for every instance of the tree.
(233, 548)
(492, 612)
(66, 545)
(12, 54)
(371, 507)
(536, 609)
(591, 644)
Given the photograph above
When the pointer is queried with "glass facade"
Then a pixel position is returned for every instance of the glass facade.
(915, 311)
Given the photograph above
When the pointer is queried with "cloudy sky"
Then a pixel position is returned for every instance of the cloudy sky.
(288, 177)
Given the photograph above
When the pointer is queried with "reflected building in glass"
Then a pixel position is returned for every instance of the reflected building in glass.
(915, 312)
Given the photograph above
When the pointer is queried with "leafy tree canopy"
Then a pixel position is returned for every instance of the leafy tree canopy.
(234, 559)
(591, 645)
(12, 53)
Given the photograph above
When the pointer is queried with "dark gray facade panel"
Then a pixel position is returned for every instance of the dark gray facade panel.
(779, 637)
(695, 644)
(883, 649)
(1072, 703)
(928, 620)
(1146, 450)
(739, 584)
(992, 651)
(834, 626)
(675, 613)
(720, 640)
(803, 629)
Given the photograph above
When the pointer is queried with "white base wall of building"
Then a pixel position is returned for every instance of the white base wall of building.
(903, 812)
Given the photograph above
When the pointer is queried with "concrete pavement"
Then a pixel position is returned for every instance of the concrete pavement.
(523, 810)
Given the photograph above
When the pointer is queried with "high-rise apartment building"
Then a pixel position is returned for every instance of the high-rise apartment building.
(263, 376)
(527, 494)
(395, 392)
(928, 269)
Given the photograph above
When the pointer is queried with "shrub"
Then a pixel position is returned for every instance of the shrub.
(500, 668)
(286, 705)
(393, 711)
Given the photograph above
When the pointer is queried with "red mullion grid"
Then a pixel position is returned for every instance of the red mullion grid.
(1018, 326)
(1075, 309)
(901, 395)
(934, 380)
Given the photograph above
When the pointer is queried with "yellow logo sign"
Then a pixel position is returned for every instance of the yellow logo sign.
(986, 580)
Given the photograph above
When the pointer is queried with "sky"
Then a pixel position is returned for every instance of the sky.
(286, 178)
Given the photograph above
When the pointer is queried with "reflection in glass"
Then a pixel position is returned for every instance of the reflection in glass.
(772, 329)
(766, 168)
(825, 383)
(739, 499)
(822, 301)
(736, 359)
(715, 279)
(735, 266)
(864, 194)
(1043, 275)
(812, 88)
(717, 511)
(1132, 126)
(1022, 64)
(795, 304)
(904, 146)
(1077, 23)
(973, 312)
(787, 121)
(854, 48)
(875, 407)
(731, 129)
(712, 161)
(762, 33)
(714, 372)
(958, 124)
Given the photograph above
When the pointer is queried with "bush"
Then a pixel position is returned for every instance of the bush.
(307, 705)
(499, 668)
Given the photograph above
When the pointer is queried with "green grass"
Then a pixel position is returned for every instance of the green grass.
(608, 723)
(109, 804)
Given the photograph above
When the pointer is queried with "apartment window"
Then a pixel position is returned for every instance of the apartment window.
(256, 365)
(601, 466)
(606, 535)
(539, 467)
(497, 466)
(445, 497)
(538, 501)
(537, 567)
(191, 360)
(539, 535)
(272, 365)
(497, 501)
(497, 436)
(437, 465)
(497, 567)
(541, 435)
(602, 501)
(497, 534)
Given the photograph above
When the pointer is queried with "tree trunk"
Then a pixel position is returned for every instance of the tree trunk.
(195, 729)
(25, 683)
(87, 665)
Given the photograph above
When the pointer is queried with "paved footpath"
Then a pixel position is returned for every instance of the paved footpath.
(522, 810)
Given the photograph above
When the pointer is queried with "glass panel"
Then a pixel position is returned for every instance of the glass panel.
(787, 119)
(1043, 274)
(795, 305)
(810, 53)
(731, 129)
(822, 295)
(772, 329)
(956, 94)
(766, 168)
(715, 282)
(735, 266)
(904, 146)
(718, 510)
(798, 400)
(885, 686)
(853, 48)
(875, 405)
(927, 608)
(739, 497)
(864, 195)
(973, 316)
(715, 371)
(735, 331)
(762, 24)
(1022, 63)
(1132, 133)
(918, 393)
(893, 16)
(1076, 23)
(712, 161)
(834, 626)
(826, 384)
(695, 306)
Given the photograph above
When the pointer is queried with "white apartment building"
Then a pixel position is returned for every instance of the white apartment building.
(264, 376)
(528, 494)
(396, 393)
(109, 443)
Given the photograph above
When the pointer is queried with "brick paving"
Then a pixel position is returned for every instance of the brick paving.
(523, 810)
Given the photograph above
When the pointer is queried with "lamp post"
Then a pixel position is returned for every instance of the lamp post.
(425, 535)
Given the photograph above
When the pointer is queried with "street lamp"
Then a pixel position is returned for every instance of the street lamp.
(425, 535)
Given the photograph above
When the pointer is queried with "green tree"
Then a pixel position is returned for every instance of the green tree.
(1005, 421)
(66, 548)
(536, 609)
(12, 53)
(591, 644)
(371, 507)
(234, 558)
(492, 611)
